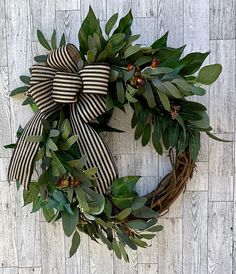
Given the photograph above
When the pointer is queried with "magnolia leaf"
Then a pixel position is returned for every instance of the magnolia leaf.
(25, 79)
(158, 70)
(80, 163)
(145, 212)
(75, 243)
(31, 194)
(198, 91)
(137, 224)
(116, 248)
(125, 24)
(146, 135)
(82, 199)
(41, 58)
(172, 89)
(138, 202)
(62, 41)
(209, 74)
(111, 23)
(164, 100)
(194, 144)
(116, 39)
(42, 40)
(131, 50)
(217, 138)
(156, 228)
(143, 60)
(66, 129)
(149, 96)
(161, 42)
(34, 138)
(102, 56)
(51, 145)
(125, 239)
(123, 252)
(113, 75)
(48, 214)
(120, 91)
(183, 84)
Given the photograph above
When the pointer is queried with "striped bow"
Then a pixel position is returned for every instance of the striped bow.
(52, 86)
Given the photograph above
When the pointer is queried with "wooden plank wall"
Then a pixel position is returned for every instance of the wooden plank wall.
(199, 234)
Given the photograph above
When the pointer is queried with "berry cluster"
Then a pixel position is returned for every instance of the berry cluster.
(68, 182)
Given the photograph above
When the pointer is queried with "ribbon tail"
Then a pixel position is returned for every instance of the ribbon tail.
(22, 161)
(98, 154)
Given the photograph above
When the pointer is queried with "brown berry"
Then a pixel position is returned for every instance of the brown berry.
(63, 183)
(137, 73)
(74, 182)
(130, 67)
(155, 63)
(140, 81)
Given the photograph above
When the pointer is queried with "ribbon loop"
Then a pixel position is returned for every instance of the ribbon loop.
(62, 83)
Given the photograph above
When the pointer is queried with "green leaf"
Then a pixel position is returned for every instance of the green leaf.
(146, 134)
(59, 196)
(54, 40)
(120, 91)
(116, 39)
(34, 138)
(25, 79)
(48, 214)
(82, 199)
(31, 194)
(90, 56)
(69, 221)
(124, 213)
(130, 98)
(75, 243)
(198, 91)
(172, 89)
(123, 252)
(40, 154)
(108, 208)
(69, 142)
(111, 23)
(113, 75)
(182, 84)
(164, 100)
(62, 41)
(36, 204)
(192, 62)
(209, 74)
(161, 42)
(217, 138)
(54, 133)
(137, 224)
(123, 237)
(156, 228)
(102, 56)
(138, 202)
(203, 122)
(149, 96)
(145, 212)
(116, 248)
(103, 223)
(66, 129)
(194, 144)
(125, 24)
(122, 202)
(41, 58)
(148, 236)
(51, 145)
(143, 60)
(27, 101)
(124, 186)
(79, 163)
(57, 167)
(10, 146)
(158, 70)
(42, 40)
(131, 50)
(19, 90)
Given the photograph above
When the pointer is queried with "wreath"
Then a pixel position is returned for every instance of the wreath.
(73, 93)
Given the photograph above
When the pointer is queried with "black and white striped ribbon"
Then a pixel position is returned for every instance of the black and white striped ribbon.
(57, 84)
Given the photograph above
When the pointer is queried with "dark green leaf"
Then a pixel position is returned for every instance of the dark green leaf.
(36, 204)
(198, 91)
(161, 42)
(120, 91)
(145, 212)
(41, 58)
(194, 144)
(131, 50)
(25, 79)
(216, 138)
(48, 214)
(31, 194)
(138, 202)
(164, 100)
(116, 39)
(125, 24)
(116, 248)
(156, 228)
(143, 60)
(123, 252)
(137, 224)
(19, 90)
(54, 40)
(149, 96)
(75, 243)
(69, 221)
(146, 135)
(124, 186)
(123, 237)
(57, 167)
(62, 41)
(27, 101)
(10, 146)
(111, 23)
(42, 40)
(82, 199)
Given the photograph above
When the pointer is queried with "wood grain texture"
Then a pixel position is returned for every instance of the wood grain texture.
(144, 8)
(67, 4)
(199, 182)
(121, 267)
(3, 41)
(220, 245)
(4, 163)
(222, 93)
(99, 8)
(31, 270)
(5, 118)
(148, 269)
(222, 19)
(8, 228)
(171, 18)
(195, 233)
(221, 169)
(52, 242)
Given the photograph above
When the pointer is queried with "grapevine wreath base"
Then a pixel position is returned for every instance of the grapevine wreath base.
(73, 93)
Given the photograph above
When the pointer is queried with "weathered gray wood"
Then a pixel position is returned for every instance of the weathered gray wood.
(4, 163)
(5, 120)
(170, 245)
(28, 234)
(53, 248)
(221, 169)
(170, 17)
(220, 237)
(101, 259)
(222, 93)
(199, 182)
(3, 42)
(144, 8)
(121, 267)
(43, 17)
(67, 4)
(79, 263)
(222, 19)
(195, 233)
(122, 7)
(150, 254)
(11, 270)
(32, 270)
(148, 269)
(99, 8)
(8, 228)
(68, 22)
